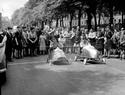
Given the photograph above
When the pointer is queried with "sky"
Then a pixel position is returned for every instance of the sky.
(7, 7)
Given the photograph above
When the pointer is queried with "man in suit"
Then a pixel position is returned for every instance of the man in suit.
(9, 44)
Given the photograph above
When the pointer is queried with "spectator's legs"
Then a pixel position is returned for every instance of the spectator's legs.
(9, 54)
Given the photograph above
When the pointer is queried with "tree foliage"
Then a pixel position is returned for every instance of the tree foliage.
(46, 10)
(6, 22)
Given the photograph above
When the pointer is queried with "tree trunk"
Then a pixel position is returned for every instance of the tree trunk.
(122, 19)
(62, 21)
(42, 25)
(89, 19)
(71, 18)
(79, 18)
(95, 19)
(57, 22)
(111, 15)
(99, 19)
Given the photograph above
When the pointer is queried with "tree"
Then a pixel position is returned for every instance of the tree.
(15, 17)
(22, 16)
(6, 22)
(33, 3)
(119, 6)
(109, 5)
(46, 10)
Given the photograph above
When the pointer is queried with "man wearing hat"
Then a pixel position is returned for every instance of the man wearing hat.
(9, 43)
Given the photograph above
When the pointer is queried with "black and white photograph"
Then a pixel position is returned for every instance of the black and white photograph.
(62, 47)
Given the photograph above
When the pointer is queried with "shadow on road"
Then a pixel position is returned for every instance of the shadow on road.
(96, 62)
(2, 80)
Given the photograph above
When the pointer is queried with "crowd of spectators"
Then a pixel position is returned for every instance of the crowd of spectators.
(32, 41)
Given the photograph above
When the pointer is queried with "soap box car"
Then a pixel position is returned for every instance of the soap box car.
(89, 52)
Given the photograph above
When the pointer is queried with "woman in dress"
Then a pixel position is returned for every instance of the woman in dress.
(61, 41)
(88, 51)
(116, 42)
(84, 42)
(17, 41)
(77, 39)
(42, 43)
(67, 36)
(107, 42)
(100, 42)
(32, 41)
(25, 42)
(56, 55)
(72, 38)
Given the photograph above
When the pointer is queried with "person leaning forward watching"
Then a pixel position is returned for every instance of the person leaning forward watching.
(9, 43)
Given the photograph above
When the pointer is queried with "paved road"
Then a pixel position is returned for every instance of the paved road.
(32, 76)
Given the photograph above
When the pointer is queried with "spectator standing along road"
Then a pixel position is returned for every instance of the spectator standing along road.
(9, 46)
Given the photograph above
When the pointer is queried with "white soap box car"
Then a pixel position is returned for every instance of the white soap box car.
(89, 52)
